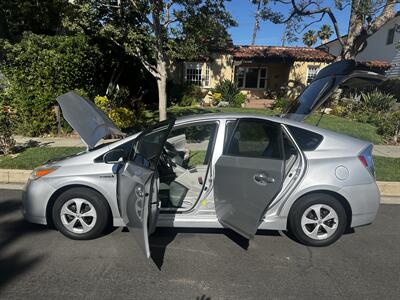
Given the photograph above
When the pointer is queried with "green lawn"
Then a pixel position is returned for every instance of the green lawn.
(387, 169)
(34, 157)
(362, 131)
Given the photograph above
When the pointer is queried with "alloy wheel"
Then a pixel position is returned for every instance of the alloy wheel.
(319, 221)
(78, 215)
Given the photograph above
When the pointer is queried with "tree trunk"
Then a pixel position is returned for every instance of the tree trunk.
(162, 90)
(256, 24)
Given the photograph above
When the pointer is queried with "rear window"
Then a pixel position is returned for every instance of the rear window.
(307, 140)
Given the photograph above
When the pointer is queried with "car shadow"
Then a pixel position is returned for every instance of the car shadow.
(15, 260)
(163, 236)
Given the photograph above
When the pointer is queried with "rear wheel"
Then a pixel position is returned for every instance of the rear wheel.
(81, 214)
(317, 220)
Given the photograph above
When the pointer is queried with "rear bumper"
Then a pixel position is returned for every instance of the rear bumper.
(364, 201)
(35, 197)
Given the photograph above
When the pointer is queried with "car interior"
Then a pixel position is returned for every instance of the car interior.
(184, 164)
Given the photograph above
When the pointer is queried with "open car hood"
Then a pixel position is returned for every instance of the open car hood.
(91, 123)
(342, 74)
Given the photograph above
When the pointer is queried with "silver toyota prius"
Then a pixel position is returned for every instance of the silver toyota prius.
(240, 171)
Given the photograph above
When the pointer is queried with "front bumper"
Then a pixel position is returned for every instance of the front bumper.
(35, 197)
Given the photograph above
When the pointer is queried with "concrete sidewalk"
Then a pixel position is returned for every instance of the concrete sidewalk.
(386, 151)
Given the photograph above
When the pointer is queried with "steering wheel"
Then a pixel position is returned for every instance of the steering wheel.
(166, 160)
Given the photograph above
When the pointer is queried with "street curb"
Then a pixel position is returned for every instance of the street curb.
(14, 175)
(387, 188)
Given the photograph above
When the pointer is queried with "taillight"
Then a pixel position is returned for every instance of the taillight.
(365, 158)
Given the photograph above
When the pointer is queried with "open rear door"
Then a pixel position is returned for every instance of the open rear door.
(248, 175)
(138, 186)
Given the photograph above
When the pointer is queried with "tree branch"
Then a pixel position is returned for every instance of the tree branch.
(136, 6)
(303, 11)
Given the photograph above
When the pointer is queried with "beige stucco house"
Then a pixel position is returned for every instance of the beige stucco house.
(261, 72)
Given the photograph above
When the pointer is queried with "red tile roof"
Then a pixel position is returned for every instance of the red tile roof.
(294, 53)
(376, 64)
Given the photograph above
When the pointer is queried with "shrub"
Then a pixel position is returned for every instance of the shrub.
(373, 107)
(391, 86)
(238, 100)
(377, 101)
(228, 91)
(184, 95)
(121, 116)
(7, 141)
(281, 104)
(38, 69)
(389, 125)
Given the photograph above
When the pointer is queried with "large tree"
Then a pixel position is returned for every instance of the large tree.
(156, 31)
(366, 17)
(40, 17)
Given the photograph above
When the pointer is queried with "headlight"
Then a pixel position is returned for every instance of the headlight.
(42, 171)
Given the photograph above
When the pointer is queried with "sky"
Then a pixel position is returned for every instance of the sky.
(270, 34)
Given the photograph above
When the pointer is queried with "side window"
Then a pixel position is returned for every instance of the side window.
(256, 138)
(229, 126)
(307, 140)
(191, 145)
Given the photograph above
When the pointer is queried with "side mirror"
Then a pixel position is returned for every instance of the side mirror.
(115, 156)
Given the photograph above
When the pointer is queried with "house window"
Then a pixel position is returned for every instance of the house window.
(206, 81)
(390, 36)
(251, 78)
(196, 75)
(312, 72)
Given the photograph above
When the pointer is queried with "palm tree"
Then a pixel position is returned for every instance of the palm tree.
(260, 14)
(324, 33)
(309, 38)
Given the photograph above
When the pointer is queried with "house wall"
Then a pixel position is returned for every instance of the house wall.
(221, 68)
(299, 70)
(279, 74)
(376, 48)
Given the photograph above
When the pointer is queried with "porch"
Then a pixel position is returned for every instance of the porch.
(262, 82)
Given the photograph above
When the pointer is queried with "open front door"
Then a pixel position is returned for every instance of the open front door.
(138, 186)
(248, 175)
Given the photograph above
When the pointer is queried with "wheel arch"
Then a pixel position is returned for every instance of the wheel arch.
(63, 189)
(343, 201)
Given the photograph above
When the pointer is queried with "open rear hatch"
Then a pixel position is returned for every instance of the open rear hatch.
(91, 123)
(342, 74)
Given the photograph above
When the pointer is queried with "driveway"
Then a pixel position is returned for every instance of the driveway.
(36, 262)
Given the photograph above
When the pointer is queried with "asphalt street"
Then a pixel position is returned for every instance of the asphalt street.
(37, 262)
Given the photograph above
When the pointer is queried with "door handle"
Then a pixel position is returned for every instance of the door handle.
(263, 179)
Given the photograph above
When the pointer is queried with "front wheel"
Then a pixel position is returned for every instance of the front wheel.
(317, 220)
(81, 214)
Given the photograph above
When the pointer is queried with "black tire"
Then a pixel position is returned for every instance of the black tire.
(305, 203)
(95, 199)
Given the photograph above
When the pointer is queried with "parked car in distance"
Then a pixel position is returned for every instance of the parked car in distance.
(240, 171)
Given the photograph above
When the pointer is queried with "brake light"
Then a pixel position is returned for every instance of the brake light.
(365, 158)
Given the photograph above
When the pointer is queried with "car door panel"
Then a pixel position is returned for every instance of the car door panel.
(249, 174)
(134, 202)
(138, 184)
(242, 198)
